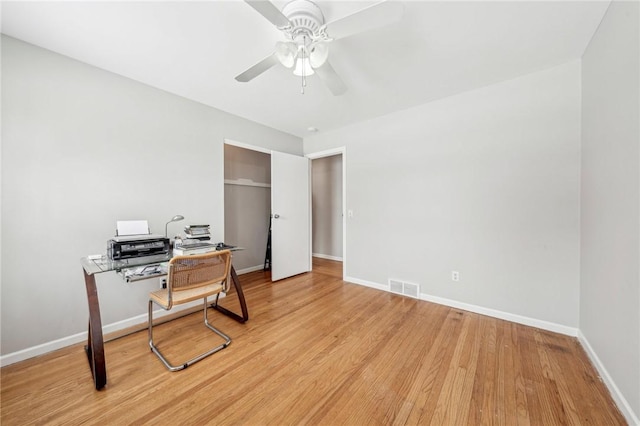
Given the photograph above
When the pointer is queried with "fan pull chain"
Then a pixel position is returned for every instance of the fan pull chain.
(302, 81)
(304, 77)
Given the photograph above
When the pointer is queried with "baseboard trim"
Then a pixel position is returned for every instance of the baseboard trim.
(631, 417)
(533, 322)
(250, 269)
(42, 349)
(110, 332)
(367, 284)
(326, 256)
(519, 319)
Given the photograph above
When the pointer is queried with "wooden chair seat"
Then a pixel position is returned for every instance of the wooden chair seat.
(161, 297)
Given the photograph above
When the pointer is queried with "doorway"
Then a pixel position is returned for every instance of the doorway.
(327, 206)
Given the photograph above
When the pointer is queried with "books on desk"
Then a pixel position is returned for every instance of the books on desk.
(194, 248)
(198, 232)
(200, 248)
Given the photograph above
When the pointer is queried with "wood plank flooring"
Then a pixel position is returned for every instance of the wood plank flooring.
(318, 350)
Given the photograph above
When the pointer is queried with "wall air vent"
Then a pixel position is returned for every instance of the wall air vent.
(395, 286)
(404, 288)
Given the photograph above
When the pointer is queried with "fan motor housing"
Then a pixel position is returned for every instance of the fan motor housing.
(305, 16)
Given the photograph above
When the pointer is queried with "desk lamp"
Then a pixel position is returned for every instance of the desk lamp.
(176, 218)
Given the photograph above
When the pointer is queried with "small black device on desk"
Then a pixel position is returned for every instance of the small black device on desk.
(223, 246)
(136, 246)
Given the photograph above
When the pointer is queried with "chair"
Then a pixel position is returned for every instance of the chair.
(190, 278)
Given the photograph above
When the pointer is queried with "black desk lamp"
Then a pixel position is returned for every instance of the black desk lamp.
(176, 218)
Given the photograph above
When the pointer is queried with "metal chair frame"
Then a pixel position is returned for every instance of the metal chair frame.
(176, 273)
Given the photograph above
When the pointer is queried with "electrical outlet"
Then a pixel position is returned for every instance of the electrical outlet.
(455, 276)
(163, 282)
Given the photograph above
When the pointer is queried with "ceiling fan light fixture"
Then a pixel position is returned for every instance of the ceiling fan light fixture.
(303, 67)
(319, 54)
(286, 53)
(303, 24)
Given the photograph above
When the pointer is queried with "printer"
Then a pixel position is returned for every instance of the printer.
(130, 246)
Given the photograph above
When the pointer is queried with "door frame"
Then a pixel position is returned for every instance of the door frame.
(330, 153)
(245, 146)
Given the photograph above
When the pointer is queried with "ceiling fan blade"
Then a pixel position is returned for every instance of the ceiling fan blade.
(269, 11)
(258, 68)
(331, 79)
(377, 15)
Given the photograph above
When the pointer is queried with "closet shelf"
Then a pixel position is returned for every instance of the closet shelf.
(246, 182)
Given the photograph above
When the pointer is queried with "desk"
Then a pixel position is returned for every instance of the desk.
(95, 341)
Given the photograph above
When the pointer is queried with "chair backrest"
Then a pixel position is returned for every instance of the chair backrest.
(199, 270)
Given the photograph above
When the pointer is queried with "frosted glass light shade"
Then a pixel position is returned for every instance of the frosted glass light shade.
(319, 54)
(286, 53)
(300, 63)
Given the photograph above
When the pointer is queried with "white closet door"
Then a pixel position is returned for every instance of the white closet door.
(290, 223)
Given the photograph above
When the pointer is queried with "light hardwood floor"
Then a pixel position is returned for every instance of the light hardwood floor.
(318, 350)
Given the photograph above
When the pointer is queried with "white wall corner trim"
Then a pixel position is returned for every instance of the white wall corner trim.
(326, 256)
(250, 269)
(631, 417)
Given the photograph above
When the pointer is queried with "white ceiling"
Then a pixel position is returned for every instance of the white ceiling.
(195, 49)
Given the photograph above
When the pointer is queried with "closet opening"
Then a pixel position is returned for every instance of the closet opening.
(247, 205)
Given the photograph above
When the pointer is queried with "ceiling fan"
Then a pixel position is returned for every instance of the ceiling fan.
(306, 50)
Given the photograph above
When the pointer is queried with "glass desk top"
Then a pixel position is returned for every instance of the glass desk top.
(98, 264)
(95, 265)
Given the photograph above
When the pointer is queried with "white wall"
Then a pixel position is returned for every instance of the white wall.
(485, 183)
(610, 229)
(82, 148)
(326, 206)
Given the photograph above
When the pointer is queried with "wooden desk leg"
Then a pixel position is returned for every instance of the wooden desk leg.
(95, 343)
(243, 304)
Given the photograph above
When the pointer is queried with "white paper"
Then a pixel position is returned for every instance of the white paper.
(132, 227)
